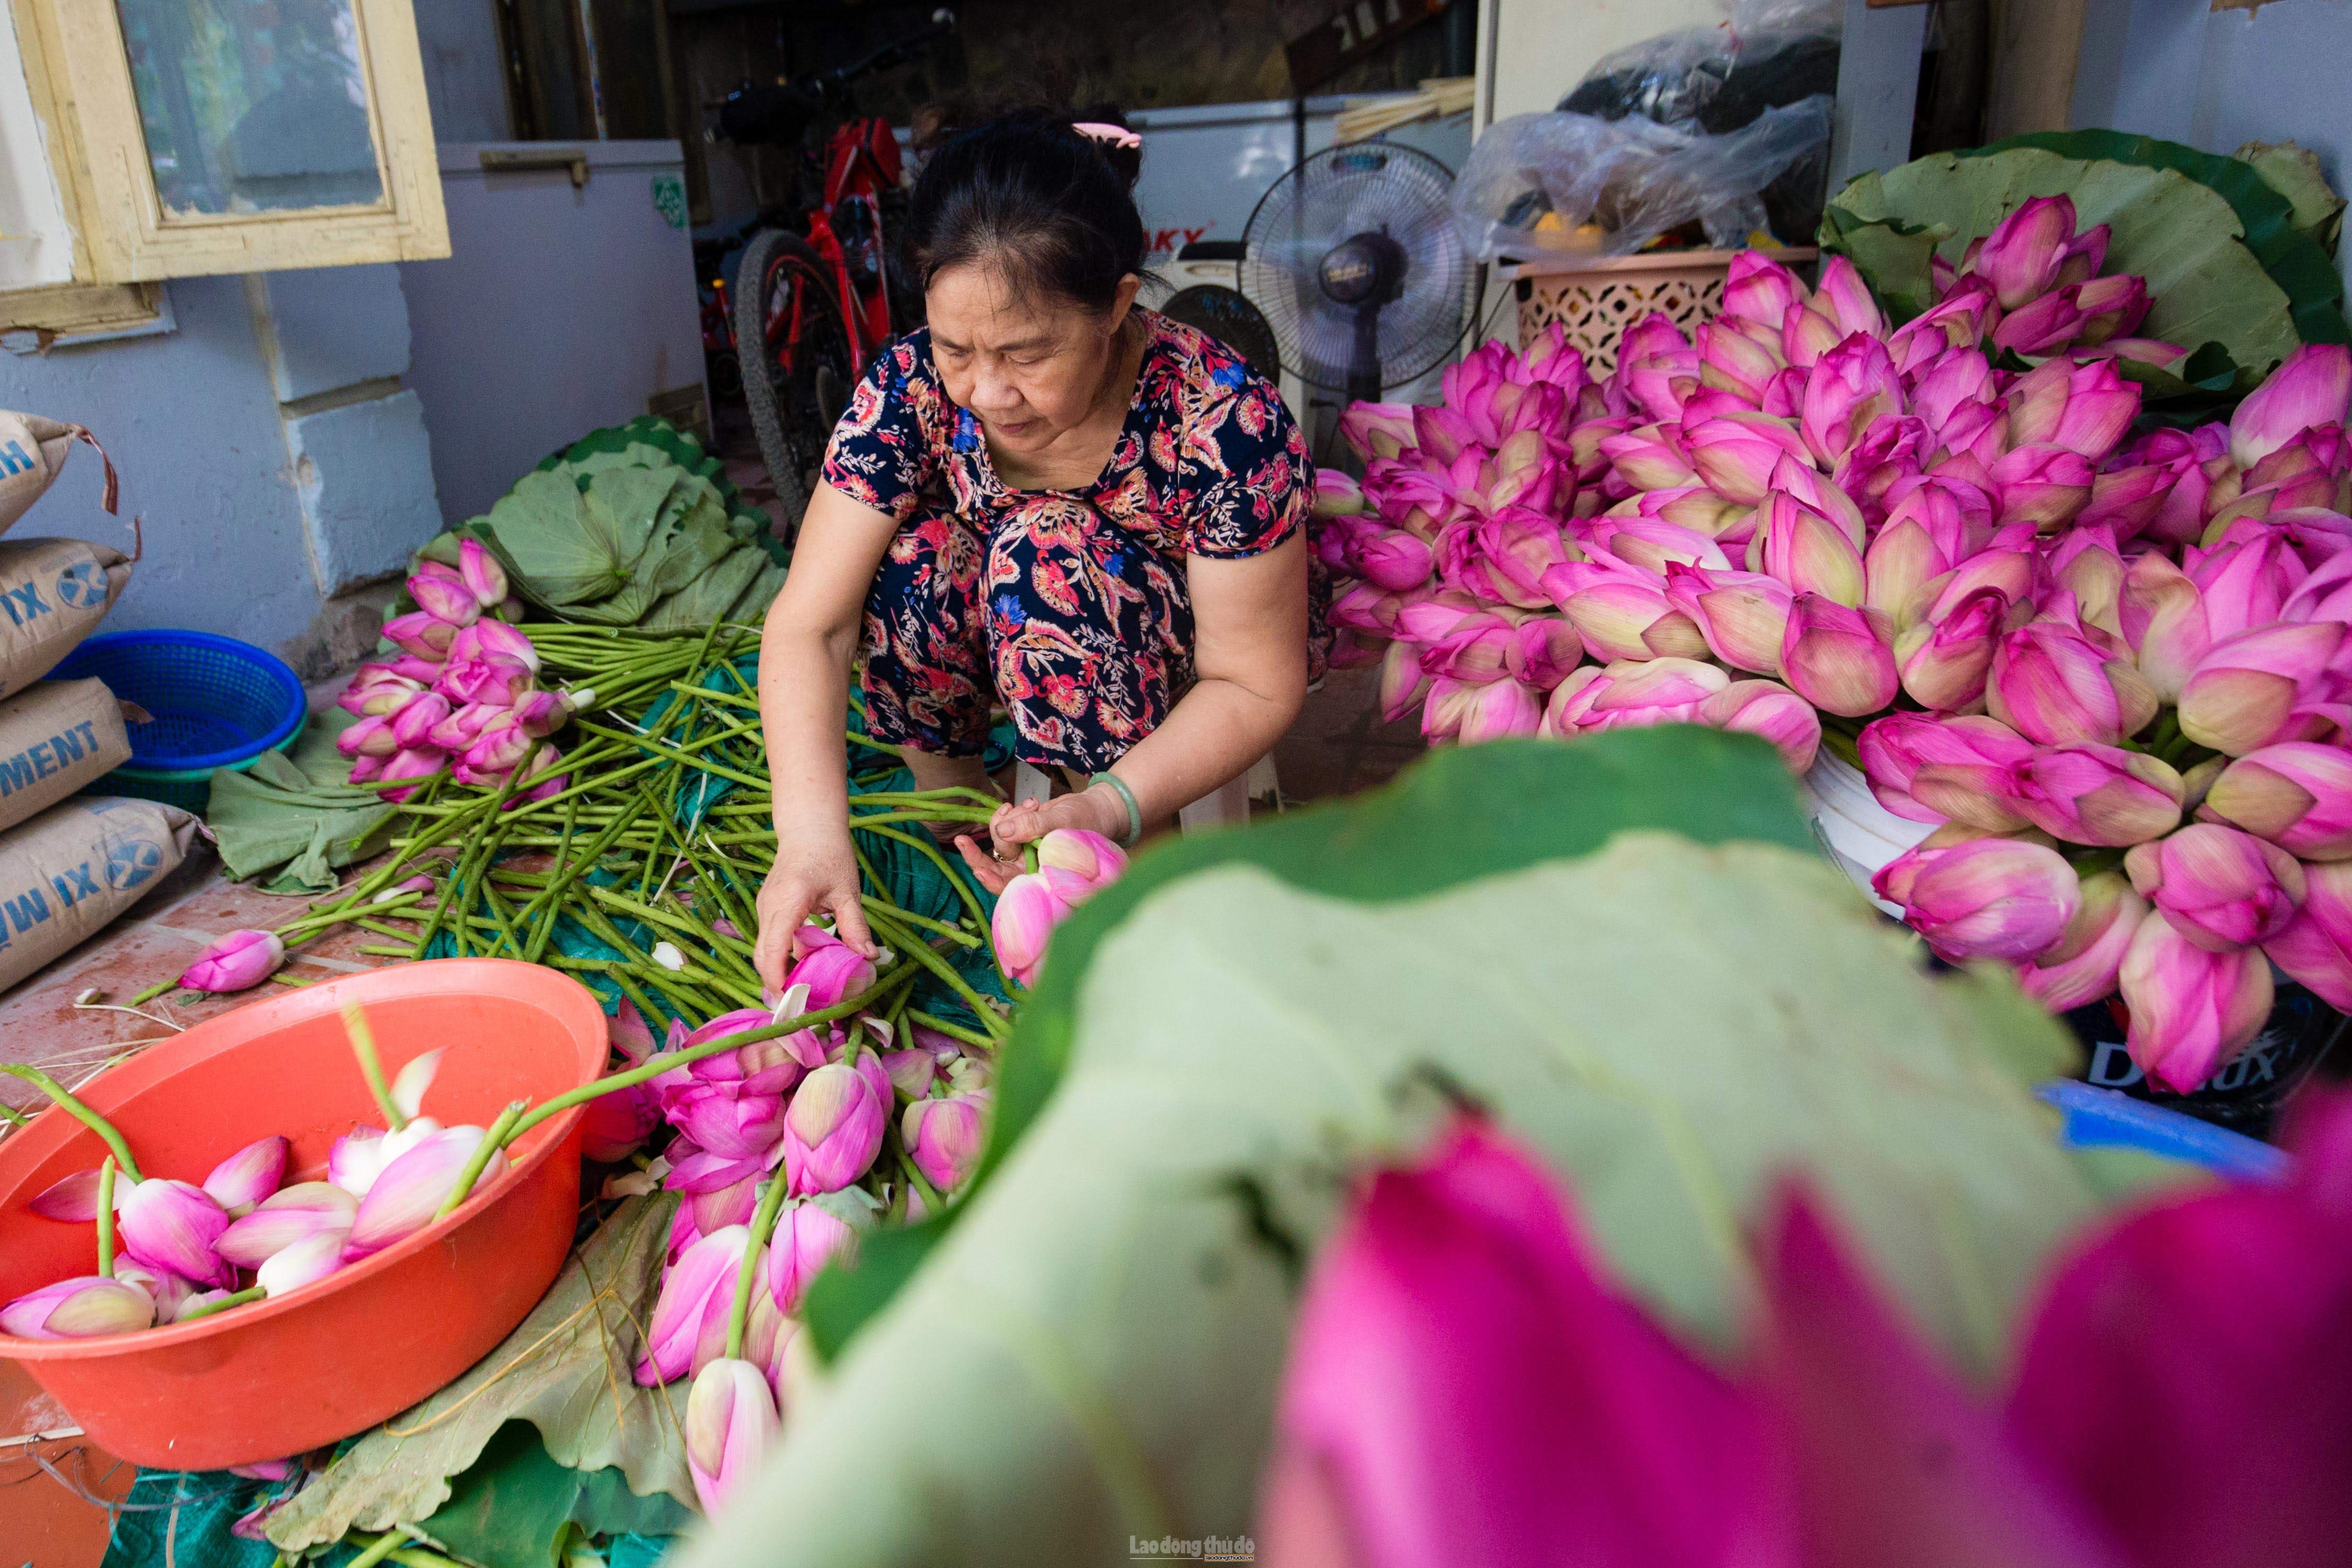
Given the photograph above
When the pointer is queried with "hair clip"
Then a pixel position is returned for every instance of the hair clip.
(1117, 135)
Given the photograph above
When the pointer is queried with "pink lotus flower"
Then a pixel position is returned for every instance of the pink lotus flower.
(1944, 661)
(1652, 457)
(834, 972)
(1843, 293)
(237, 962)
(2316, 947)
(483, 574)
(832, 1130)
(730, 1425)
(421, 763)
(1028, 909)
(2252, 690)
(945, 1138)
(1086, 855)
(2083, 965)
(1993, 898)
(2112, 307)
(2022, 257)
(1768, 709)
(1851, 387)
(487, 639)
(305, 1262)
(1760, 290)
(1395, 560)
(1377, 429)
(1621, 611)
(423, 635)
(2083, 408)
(173, 1226)
(2314, 387)
(371, 737)
(249, 1175)
(377, 691)
(1837, 658)
(2044, 484)
(1473, 651)
(72, 1200)
(1337, 495)
(299, 1213)
(1743, 616)
(1657, 366)
(493, 680)
(452, 603)
(2162, 612)
(80, 1308)
(1542, 651)
(423, 672)
(1447, 704)
(1735, 454)
(1404, 683)
(2051, 684)
(2222, 890)
(1804, 549)
(1926, 768)
(2192, 1008)
(687, 1331)
(1500, 709)
(413, 725)
(463, 727)
(2247, 582)
(808, 1236)
(170, 1293)
(2297, 795)
(541, 714)
(1632, 695)
(412, 1187)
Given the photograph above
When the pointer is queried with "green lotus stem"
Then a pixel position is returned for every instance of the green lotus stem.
(654, 1066)
(207, 1308)
(106, 1216)
(939, 859)
(908, 917)
(307, 924)
(921, 953)
(954, 1031)
(15, 1117)
(79, 1112)
(363, 1039)
(492, 1141)
(747, 1278)
(151, 992)
(390, 1542)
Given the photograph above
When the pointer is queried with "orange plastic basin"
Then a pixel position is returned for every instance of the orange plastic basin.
(283, 1377)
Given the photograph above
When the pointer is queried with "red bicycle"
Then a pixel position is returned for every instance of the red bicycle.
(813, 308)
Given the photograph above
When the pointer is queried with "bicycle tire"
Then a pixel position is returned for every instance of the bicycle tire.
(787, 420)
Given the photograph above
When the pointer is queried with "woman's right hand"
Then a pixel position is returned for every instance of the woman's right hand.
(814, 874)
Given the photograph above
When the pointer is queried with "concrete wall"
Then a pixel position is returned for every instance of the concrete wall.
(2216, 80)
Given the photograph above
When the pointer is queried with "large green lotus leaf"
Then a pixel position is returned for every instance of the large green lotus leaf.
(566, 1371)
(566, 547)
(695, 537)
(1093, 1354)
(2205, 284)
(709, 596)
(751, 604)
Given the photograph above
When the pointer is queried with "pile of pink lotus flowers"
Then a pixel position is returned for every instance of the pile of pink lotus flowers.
(461, 695)
(189, 1250)
(2058, 647)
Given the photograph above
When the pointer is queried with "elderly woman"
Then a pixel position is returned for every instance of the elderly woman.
(1047, 498)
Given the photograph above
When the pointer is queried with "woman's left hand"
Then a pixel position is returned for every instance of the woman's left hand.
(1097, 809)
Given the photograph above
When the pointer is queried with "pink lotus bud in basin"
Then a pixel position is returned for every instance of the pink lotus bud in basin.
(176, 1226)
(2312, 387)
(2090, 794)
(1542, 651)
(305, 1262)
(1768, 709)
(2316, 947)
(1944, 662)
(1085, 855)
(2044, 484)
(443, 600)
(1837, 658)
(809, 1235)
(237, 962)
(2191, 1010)
(833, 1129)
(2022, 257)
(483, 574)
(301, 1212)
(730, 1425)
(1804, 549)
(945, 1138)
(2297, 795)
(616, 1123)
(1734, 455)
(2221, 889)
(2249, 691)
(170, 1293)
(2083, 967)
(355, 1160)
(73, 1199)
(1993, 898)
(412, 1187)
(2053, 683)
(82, 1308)
(371, 737)
(1930, 768)
(249, 1175)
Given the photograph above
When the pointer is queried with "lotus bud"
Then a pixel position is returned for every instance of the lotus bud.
(377, 691)
(809, 1235)
(1837, 658)
(175, 1225)
(616, 1123)
(2043, 326)
(2312, 387)
(421, 633)
(495, 679)
(2083, 965)
(1910, 551)
(1848, 299)
(2022, 257)
(1473, 651)
(355, 1159)
(2222, 890)
(249, 1175)
(730, 1425)
(541, 714)
(1646, 460)
(170, 1293)
(2042, 484)
(1542, 650)
(545, 757)
(1632, 695)
(1500, 709)
(1768, 709)
(1377, 429)
(301, 1212)
(2103, 795)
(1807, 551)
(1735, 362)
(1851, 386)
(2316, 947)
(304, 1262)
(2297, 795)
(1395, 560)
(1743, 616)
(72, 1200)
(1761, 290)
(371, 737)
(1086, 855)
(2191, 1010)
(2162, 616)
(503, 746)
(1964, 759)
(2246, 691)
(423, 672)
(483, 574)
(237, 962)
(688, 1330)
(1943, 663)
(2087, 564)
(1622, 612)
(80, 1308)
(421, 763)
(2051, 684)
(413, 1185)
(1337, 495)
(413, 725)
(912, 1071)
(945, 1138)
(1993, 898)
(1734, 455)
(1403, 682)
(463, 727)
(832, 1130)
(833, 971)
(1441, 713)
(445, 600)
(2111, 307)
(495, 640)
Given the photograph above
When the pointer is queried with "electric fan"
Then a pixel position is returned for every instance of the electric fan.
(1354, 259)
(1230, 319)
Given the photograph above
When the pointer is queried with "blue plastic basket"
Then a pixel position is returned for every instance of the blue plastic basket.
(217, 702)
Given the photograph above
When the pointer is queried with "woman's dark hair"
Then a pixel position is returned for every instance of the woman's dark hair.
(1026, 193)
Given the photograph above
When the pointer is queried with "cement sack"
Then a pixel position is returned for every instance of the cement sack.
(67, 874)
(32, 451)
(56, 738)
(53, 593)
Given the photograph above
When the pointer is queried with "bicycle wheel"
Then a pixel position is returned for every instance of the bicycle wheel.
(798, 370)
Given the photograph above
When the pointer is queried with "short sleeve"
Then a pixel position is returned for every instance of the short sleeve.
(1246, 482)
(879, 455)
